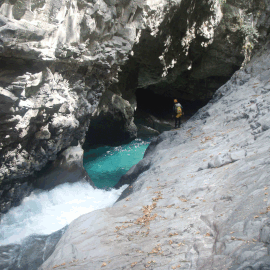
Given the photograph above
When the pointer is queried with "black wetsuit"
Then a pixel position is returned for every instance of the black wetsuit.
(177, 120)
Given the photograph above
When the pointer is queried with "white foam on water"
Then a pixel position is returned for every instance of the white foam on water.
(45, 212)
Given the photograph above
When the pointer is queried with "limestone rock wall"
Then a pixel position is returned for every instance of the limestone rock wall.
(190, 48)
(57, 59)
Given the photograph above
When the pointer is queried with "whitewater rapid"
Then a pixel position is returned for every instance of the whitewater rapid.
(45, 212)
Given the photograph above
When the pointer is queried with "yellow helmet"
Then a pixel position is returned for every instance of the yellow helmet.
(175, 101)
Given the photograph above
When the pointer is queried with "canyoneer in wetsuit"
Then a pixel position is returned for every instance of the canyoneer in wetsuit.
(177, 113)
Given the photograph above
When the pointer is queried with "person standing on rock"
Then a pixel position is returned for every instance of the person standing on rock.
(177, 113)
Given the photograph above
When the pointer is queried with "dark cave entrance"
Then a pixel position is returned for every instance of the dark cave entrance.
(161, 106)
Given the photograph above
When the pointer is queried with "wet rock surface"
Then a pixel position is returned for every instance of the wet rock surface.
(13, 194)
(67, 168)
(31, 253)
(204, 201)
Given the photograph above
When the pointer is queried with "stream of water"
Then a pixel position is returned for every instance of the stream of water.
(106, 165)
(45, 212)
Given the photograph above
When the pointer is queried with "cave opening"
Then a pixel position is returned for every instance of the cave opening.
(161, 106)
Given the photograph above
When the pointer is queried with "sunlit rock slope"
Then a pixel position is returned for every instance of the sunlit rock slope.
(202, 203)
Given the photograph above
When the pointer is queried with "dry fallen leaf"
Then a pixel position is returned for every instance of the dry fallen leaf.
(156, 249)
(104, 264)
(256, 216)
(127, 199)
(57, 265)
(133, 264)
(265, 188)
(207, 234)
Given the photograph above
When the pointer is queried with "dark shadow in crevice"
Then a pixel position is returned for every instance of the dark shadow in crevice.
(161, 107)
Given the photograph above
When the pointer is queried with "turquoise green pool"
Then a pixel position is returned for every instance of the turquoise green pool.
(105, 165)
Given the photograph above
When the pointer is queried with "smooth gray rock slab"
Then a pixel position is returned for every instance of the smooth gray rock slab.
(31, 253)
(236, 155)
(180, 216)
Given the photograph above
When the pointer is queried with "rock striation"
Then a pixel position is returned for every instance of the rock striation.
(201, 197)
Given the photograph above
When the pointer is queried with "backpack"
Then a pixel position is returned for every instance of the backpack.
(178, 110)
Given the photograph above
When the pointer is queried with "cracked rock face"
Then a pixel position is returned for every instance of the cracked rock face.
(200, 197)
(57, 59)
(190, 48)
(112, 122)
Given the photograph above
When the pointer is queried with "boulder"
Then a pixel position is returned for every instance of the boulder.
(144, 131)
(67, 168)
(112, 122)
(149, 120)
